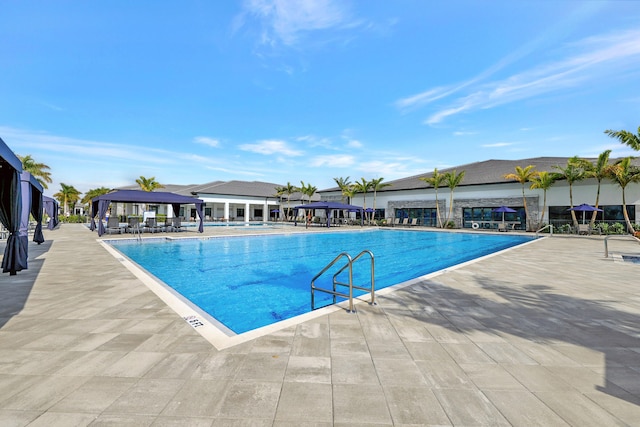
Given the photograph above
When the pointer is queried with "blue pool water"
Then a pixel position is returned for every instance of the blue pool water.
(252, 281)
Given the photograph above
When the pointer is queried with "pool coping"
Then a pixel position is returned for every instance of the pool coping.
(222, 337)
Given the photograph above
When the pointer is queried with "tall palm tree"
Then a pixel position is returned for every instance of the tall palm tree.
(148, 184)
(626, 137)
(435, 180)
(572, 172)
(288, 191)
(68, 195)
(38, 170)
(600, 170)
(343, 184)
(307, 190)
(93, 193)
(624, 173)
(377, 185)
(523, 175)
(350, 191)
(363, 186)
(452, 180)
(542, 180)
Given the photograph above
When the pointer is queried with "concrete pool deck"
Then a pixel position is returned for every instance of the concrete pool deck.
(544, 334)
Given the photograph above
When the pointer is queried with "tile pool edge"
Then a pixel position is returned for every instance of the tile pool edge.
(222, 337)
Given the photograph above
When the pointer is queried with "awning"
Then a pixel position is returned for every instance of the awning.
(328, 207)
(100, 204)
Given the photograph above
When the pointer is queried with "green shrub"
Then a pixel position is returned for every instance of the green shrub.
(616, 228)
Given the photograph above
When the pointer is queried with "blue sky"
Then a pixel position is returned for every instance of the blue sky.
(290, 90)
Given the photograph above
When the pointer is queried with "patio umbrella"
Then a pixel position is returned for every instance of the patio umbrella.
(504, 209)
(584, 208)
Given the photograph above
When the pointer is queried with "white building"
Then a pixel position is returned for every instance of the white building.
(484, 188)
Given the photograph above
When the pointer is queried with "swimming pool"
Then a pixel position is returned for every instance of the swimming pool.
(252, 281)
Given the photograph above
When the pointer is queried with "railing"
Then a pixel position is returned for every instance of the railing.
(549, 226)
(606, 245)
(135, 230)
(349, 265)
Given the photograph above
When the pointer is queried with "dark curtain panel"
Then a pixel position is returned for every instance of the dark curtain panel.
(15, 253)
(36, 211)
(103, 205)
(94, 212)
(200, 214)
(51, 208)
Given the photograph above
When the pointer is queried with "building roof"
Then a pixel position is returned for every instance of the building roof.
(478, 173)
(238, 188)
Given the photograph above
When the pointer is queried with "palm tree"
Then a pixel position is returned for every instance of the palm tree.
(523, 175)
(626, 137)
(452, 180)
(343, 184)
(93, 193)
(377, 185)
(38, 170)
(436, 180)
(363, 186)
(624, 173)
(542, 180)
(307, 190)
(600, 170)
(148, 184)
(67, 195)
(572, 172)
(288, 190)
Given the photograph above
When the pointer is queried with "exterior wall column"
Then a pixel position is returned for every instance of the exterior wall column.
(266, 213)
(226, 211)
(247, 206)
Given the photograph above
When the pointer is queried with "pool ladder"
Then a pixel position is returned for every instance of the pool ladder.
(349, 285)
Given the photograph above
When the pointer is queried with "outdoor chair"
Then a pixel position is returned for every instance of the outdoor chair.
(177, 224)
(584, 229)
(113, 225)
(134, 225)
(503, 227)
(152, 225)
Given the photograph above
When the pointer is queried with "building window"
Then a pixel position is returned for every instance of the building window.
(486, 218)
(425, 216)
(559, 215)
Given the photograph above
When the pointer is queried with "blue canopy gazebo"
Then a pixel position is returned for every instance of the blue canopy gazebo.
(51, 208)
(31, 204)
(11, 211)
(100, 204)
(328, 207)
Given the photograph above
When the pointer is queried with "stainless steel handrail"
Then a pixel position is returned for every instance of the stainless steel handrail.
(611, 236)
(549, 226)
(334, 293)
(372, 288)
(350, 284)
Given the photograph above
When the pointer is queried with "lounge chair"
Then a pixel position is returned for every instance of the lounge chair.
(177, 224)
(414, 222)
(134, 225)
(405, 222)
(152, 225)
(113, 225)
(503, 227)
(584, 229)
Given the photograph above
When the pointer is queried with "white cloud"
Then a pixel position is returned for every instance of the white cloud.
(286, 21)
(268, 147)
(591, 59)
(498, 145)
(211, 142)
(338, 161)
(354, 143)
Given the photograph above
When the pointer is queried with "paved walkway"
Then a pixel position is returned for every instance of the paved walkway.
(545, 334)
